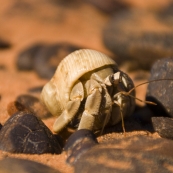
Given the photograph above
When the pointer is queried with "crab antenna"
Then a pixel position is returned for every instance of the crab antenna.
(147, 83)
(148, 102)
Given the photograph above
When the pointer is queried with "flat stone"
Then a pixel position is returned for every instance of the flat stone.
(43, 58)
(166, 14)
(9, 165)
(23, 132)
(25, 58)
(132, 154)
(48, 58)
(163, 126)
(160, 92)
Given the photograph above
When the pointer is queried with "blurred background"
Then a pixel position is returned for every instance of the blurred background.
(35, 35)
(126, 30)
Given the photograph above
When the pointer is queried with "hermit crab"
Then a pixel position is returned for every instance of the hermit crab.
(88, 91)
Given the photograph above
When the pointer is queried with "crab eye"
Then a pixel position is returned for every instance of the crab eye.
(111, 79)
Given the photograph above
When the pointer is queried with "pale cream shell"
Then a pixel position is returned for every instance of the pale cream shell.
(55, 93)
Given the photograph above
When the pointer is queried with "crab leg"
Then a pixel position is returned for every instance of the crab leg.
(71, 109)
(92, 105)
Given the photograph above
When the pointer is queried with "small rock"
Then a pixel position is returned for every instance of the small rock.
(26, 57)
(108, 6)
(4, 44)
(25, 133)
(138, 47)
(166, 14)
(79, 143)
(163, 126)
(43, 58)
(48, 58)
(161, 91)
(9, 165)
(131, 154)
(14, 107)
(0, 126)
(33, 105)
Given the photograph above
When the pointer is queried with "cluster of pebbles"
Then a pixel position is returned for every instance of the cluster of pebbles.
(132, 41)
(137, 41)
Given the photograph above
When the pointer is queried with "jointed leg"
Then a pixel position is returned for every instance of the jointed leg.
(92, 105)
(119, 103)
(71, 109)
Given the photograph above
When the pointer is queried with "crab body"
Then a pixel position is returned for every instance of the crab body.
(86, 92)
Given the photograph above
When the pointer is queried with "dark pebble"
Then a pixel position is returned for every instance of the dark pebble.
(163, 126)
(37, 89)
(44, 59)
(160, 92)
(4, 44)
(9, 165)
(135, 43)
(108, 6)
(0, 126)
(166, 14)
(26, 57)
(79, 143)
(33, 104)
(48, 58)
(14, 107)
(25, 133)
(131, 154)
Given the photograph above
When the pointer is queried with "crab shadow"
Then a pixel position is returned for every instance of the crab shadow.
(140, 120)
